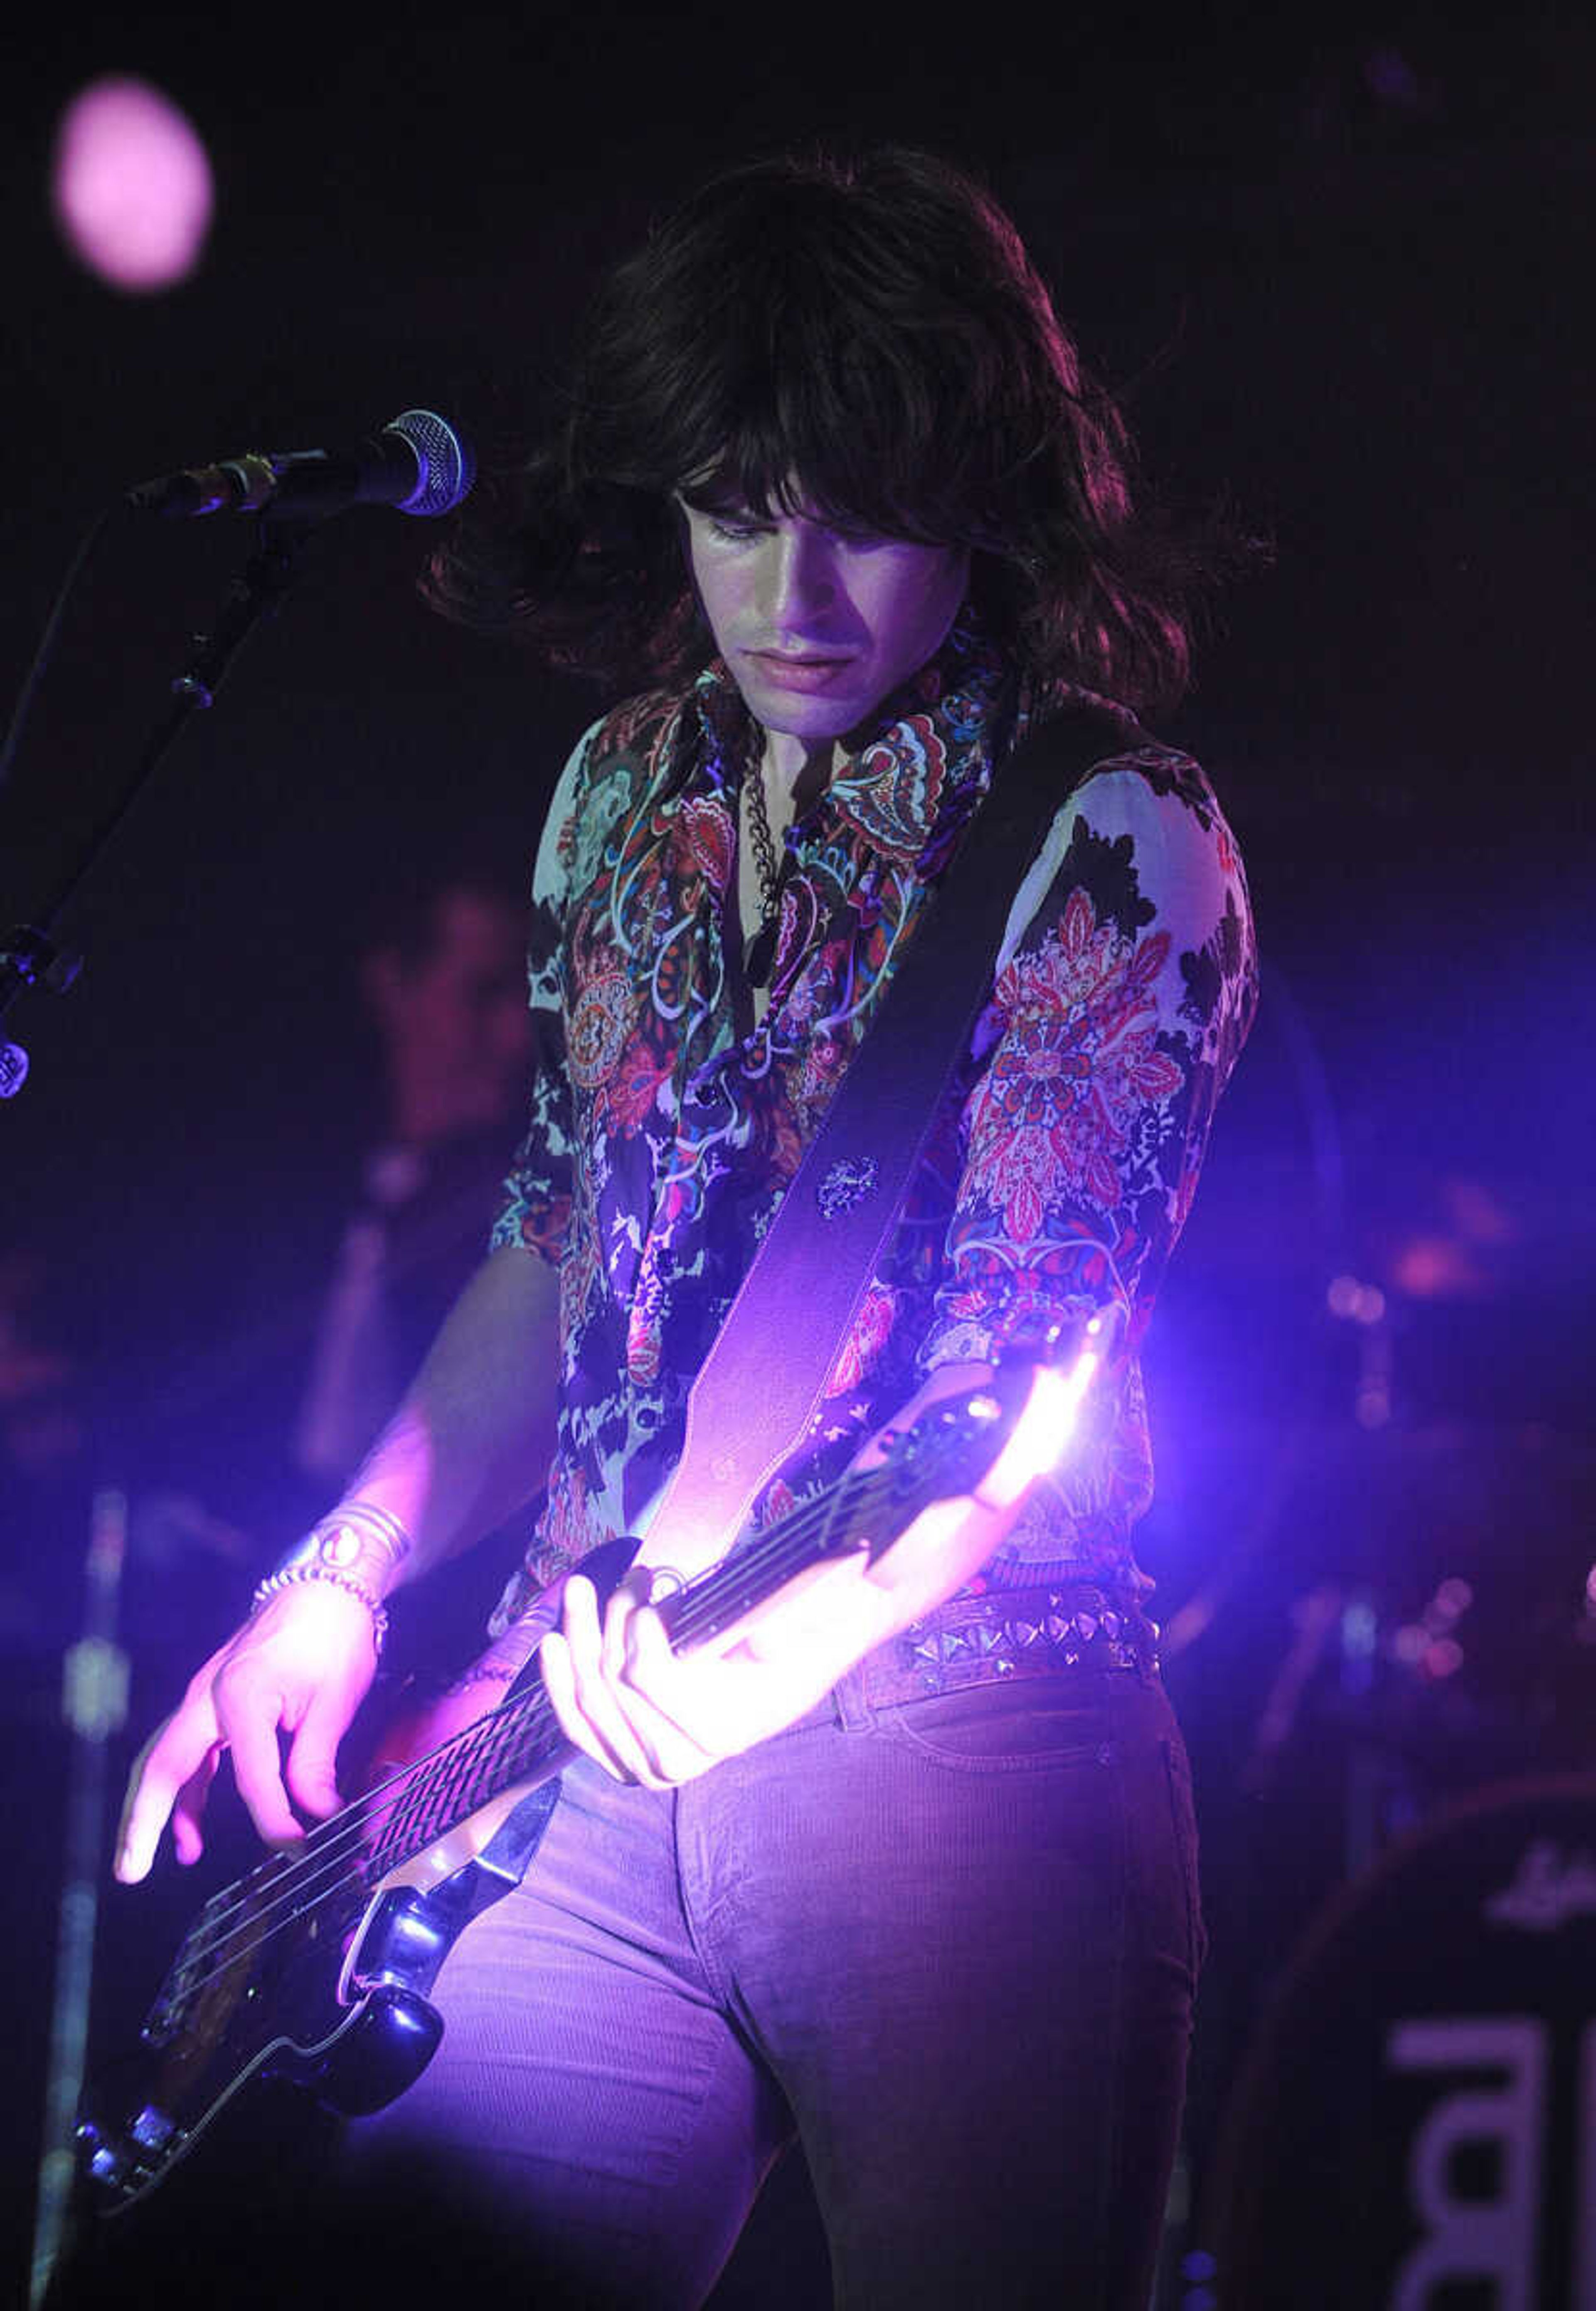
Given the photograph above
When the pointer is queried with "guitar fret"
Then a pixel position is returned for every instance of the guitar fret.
(465, 1775)
(407, 1828)
(495, 1769)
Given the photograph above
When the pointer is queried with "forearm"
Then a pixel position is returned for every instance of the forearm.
(651, 1715)
(944, 1547)
(472, 1437)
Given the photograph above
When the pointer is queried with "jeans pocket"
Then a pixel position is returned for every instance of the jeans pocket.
(1006, 1729)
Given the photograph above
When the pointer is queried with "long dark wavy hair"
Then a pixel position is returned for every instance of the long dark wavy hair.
(867, 337)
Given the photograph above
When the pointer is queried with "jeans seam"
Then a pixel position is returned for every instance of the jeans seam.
(1189, 1878)
(1109, 2169)
(698, 1914)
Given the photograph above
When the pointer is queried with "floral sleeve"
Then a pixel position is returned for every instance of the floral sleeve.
(1124, 991)
(537, 1191)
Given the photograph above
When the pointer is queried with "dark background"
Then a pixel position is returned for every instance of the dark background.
(1338, 264)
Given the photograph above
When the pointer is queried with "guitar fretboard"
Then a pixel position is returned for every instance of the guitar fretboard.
(344, 1859)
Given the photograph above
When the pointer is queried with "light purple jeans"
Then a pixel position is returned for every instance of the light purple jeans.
(953, 1943)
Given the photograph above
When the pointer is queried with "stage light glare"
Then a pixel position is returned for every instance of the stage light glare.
(1046, 1423)
(131, 184)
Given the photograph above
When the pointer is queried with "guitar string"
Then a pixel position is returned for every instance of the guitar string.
(329, 1845)
(534, 1716)
(527, 1725)
(537, 1715)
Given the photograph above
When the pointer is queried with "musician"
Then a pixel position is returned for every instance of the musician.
(905, 1866)
(441, 982)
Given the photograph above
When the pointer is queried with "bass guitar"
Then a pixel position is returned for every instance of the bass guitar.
(317, 1966)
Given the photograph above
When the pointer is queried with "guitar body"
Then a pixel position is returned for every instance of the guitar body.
(318, 1965)
(335, 1999)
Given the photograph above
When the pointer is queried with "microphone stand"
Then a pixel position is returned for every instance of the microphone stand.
(94, 1706)
(96, 1668)
(30, 957)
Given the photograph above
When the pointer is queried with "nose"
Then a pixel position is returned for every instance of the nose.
(803, 583)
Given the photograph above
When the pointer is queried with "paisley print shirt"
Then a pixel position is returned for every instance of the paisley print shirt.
(665, 1124)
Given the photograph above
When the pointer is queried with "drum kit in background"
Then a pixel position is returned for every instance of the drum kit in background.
(1401, 1862)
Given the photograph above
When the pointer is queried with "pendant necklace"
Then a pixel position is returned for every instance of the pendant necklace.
(762, 950)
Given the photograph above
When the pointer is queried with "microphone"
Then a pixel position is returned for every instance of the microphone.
(419, 464)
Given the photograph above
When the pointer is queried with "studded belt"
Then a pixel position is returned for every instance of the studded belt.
(1063, 1627)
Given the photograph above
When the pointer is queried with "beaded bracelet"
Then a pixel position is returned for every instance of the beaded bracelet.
(288, 1576)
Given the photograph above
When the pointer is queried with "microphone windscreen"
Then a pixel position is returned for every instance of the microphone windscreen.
(445, 460)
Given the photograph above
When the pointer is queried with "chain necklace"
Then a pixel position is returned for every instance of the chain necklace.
(762, 950)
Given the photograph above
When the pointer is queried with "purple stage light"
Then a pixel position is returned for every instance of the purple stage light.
(1047, 1422)
(131, 184)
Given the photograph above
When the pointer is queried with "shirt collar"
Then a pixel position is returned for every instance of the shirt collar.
(931, 738)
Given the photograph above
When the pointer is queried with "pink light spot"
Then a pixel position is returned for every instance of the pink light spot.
(132, 184)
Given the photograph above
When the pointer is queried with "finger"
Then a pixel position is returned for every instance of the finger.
(145, 1810)
(627, 1718)
(595, 1657)
(648, 1659)
(188, 1812)
(249, 1714)
(313, 1755)
(667, 1703)
(168, 1762)
(559, 1682)
(614, 1645)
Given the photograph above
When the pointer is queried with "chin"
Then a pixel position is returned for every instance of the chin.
(811, 719)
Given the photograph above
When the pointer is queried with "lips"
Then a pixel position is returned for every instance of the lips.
(807, 670)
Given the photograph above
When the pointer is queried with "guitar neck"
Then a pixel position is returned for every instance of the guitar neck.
(521, 1741)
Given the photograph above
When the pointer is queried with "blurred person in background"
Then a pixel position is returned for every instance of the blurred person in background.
(442, 982)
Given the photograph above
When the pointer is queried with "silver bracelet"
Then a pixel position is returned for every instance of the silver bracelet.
(363, 1545)
(344, 1537)
(288, 1576)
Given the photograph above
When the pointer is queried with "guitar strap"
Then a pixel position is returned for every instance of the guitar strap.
(762, 1378)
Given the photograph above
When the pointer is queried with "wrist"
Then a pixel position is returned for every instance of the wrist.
(358, 1548)
(292, 1576)
(359, 1541)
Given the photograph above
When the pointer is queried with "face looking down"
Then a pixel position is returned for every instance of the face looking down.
(817, 624)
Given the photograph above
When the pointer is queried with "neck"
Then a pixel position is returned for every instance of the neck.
(797, 770)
